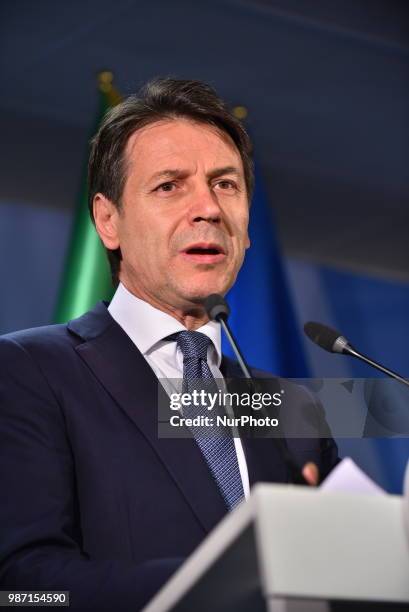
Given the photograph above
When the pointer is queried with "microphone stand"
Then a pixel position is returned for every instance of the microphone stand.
(349, 350)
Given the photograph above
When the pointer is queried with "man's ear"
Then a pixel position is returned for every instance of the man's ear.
(106, 221)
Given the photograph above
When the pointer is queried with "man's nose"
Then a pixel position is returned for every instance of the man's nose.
(204, 206)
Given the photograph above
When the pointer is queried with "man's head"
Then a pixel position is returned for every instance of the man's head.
(170, 179)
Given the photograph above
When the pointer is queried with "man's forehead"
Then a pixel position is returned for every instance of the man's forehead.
(179, 135)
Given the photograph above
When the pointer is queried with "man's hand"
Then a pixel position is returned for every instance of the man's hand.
(311, 474)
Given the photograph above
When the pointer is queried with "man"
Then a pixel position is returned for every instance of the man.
(94, 502)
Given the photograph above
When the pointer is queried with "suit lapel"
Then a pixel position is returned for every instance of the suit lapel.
(132, 384)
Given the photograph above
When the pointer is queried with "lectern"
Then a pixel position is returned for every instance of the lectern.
(298, 549)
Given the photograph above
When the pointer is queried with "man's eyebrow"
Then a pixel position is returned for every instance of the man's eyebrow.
(171, 173)
(222, 171)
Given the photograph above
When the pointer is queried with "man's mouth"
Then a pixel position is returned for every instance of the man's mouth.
(204, 252)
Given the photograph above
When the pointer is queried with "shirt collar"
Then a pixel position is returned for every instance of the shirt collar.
(147, 326)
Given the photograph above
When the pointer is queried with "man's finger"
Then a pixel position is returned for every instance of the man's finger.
(311, 474)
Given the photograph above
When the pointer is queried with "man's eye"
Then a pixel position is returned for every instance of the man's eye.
(226, 185)
(165, 186)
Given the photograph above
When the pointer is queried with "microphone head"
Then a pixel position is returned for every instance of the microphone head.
(326, 337)
(216, 307)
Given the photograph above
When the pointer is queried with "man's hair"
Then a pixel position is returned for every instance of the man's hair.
(160, 99)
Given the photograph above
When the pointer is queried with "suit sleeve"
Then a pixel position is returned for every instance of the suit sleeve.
(308, 435)
(329, 457)
(40, 536)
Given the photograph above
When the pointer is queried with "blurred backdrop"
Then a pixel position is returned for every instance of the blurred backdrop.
(326, 89)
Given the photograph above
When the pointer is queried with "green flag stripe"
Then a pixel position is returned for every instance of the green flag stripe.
(86, 278)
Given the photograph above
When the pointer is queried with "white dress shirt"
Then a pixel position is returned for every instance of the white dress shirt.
(147, 326)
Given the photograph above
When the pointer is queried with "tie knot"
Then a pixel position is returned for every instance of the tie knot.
(193, 344)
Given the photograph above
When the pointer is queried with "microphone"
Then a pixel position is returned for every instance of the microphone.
(332, 341)
(218, 310)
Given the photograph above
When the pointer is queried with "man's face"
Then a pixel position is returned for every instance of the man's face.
(182, 228)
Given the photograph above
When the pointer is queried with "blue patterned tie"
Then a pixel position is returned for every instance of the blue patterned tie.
(217, 448)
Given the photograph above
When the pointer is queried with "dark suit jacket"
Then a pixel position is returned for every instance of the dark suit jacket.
(91, 500)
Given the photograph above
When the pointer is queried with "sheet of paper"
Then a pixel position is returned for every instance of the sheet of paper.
(348, 477)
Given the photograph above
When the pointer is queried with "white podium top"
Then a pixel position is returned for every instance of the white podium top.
(300, 543)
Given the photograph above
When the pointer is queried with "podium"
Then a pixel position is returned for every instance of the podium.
(298, 549)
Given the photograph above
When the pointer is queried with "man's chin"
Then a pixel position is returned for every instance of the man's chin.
(198, 295)
(195, 288)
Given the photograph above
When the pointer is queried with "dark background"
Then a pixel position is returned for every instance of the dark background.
(325, 83)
